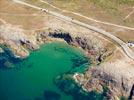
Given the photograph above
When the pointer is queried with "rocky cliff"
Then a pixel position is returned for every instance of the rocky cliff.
(117, 76)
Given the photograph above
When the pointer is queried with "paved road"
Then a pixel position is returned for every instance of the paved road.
(124, 46)
(89, 18)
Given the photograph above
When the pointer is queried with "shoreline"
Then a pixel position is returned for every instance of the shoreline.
(97, 49)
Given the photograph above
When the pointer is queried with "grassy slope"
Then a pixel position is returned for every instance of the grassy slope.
(113, 11)
(27, 21)
(110, 10)
(105, 10)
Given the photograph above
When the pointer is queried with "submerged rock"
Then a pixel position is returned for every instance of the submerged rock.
(8, 59)
(51, 95)
(1, 50)
(66, 83)
(8, 64)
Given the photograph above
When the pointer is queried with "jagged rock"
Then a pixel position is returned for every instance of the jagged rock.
(96, 52)
(65, 36)
(119, 82)
(29, 44)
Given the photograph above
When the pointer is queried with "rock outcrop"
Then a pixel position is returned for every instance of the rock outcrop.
(15, 38)
(95, 51)
(117, 76)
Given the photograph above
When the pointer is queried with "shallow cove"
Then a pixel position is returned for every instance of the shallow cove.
(33, 77)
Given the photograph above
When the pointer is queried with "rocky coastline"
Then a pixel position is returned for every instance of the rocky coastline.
(21, 43)
(96, 78)
(97, 54)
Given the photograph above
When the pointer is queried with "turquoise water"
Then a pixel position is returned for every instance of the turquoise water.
(33, 78)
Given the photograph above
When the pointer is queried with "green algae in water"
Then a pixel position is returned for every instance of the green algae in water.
(32, 78)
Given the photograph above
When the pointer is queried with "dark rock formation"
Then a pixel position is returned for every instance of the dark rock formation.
(66, 36)
(7, 58)
(28, 44)
(131, 93)
(82, 42)
(51, 95)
